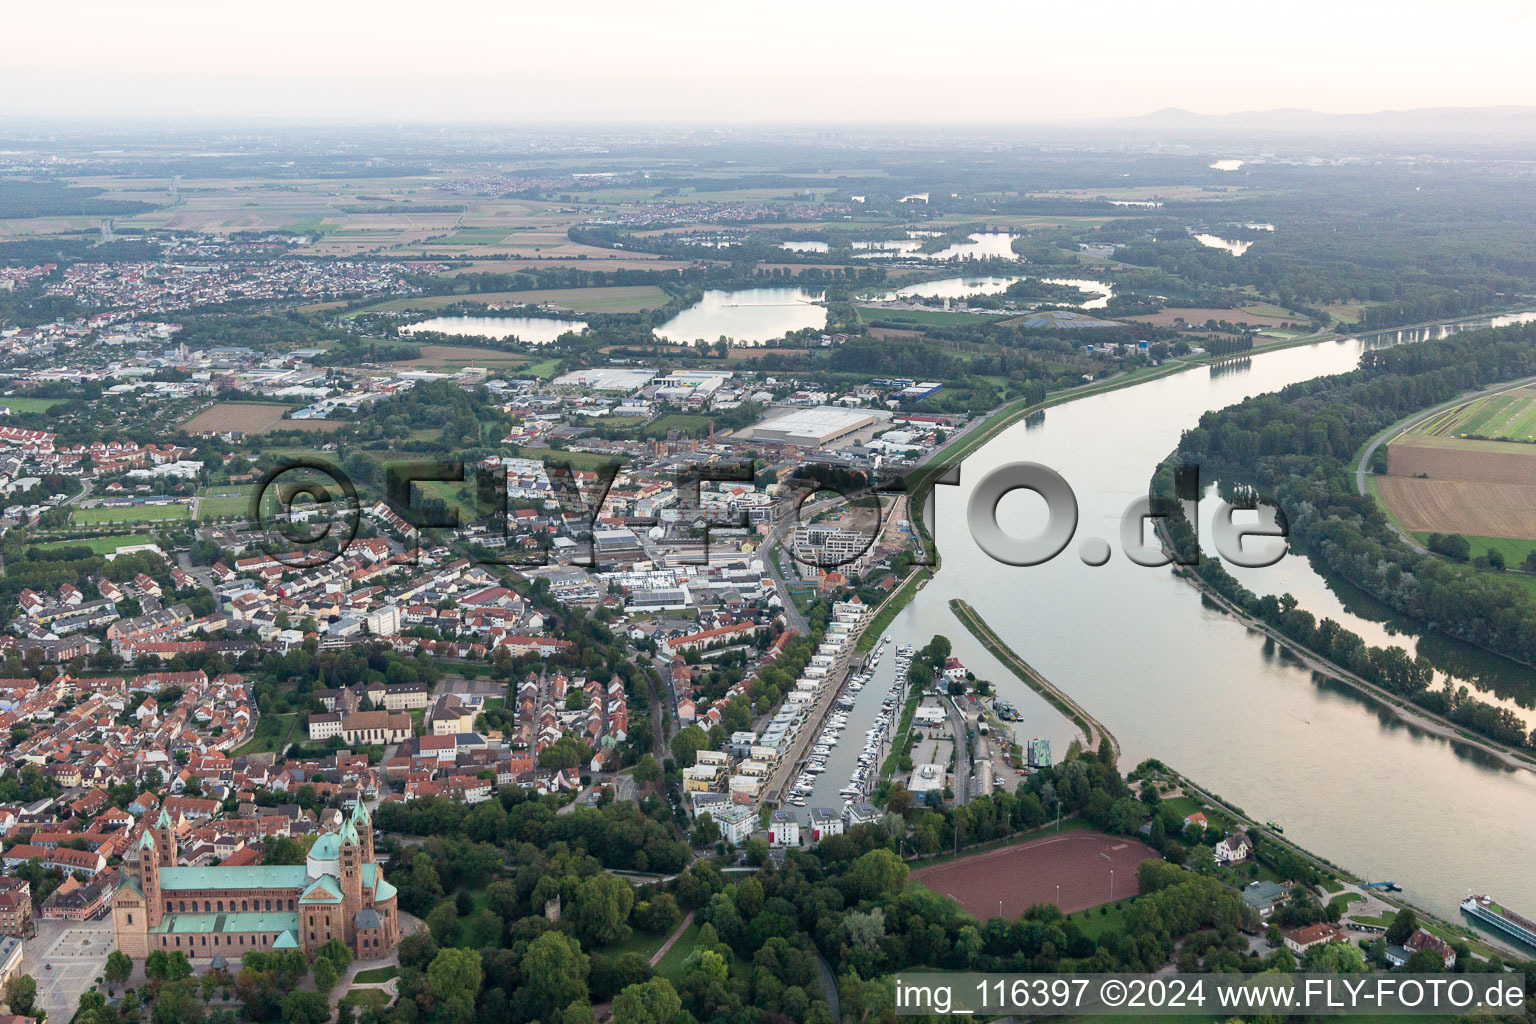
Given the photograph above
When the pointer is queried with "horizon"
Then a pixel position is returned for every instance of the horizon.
(796, 63)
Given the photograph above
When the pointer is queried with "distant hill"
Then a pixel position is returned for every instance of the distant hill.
(1508, 120)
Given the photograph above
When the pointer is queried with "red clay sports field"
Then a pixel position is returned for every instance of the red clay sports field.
(1029, 873)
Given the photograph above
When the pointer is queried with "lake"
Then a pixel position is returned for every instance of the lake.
(748, 317)
(952, 288)
(982, 246)
(535, 330)
(804, 246)
(1236, 248)
(1101, 290)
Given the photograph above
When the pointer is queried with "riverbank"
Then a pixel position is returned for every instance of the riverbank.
(948, 458)
(1406, 711)
(1094, 731)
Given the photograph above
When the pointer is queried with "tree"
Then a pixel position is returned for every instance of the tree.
(119, 967)
(1424, 961)
(304, 1007)
(648, 770)
(337, 953)
(878, 873)
(650, 1002)
(325, 974)
(21, 994)
(176, 1003)
(603, 903)
(555, 972)
(453, 979)
(417, 950)
(687, 744)
(1403, 925)
(705, 831)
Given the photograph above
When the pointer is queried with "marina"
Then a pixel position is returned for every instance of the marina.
(837, 771)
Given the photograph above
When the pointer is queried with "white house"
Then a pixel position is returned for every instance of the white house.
(824, 823)
(736, 822)
(1234, 849)
(784, 829)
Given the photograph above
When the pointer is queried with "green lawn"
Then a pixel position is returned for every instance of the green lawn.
(376, 974)
(366, 998)
(273, 733)
(138, 514)
(671, 965)
(1513, 550)
(223, 501)
(21, 405)
(99, 545)
(643, 943)
(1344, 899)
(1095, 921)
(925, 317)
(578, 460)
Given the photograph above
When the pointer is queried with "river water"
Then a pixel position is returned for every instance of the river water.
(1181, 682)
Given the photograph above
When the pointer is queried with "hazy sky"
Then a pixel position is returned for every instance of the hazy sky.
(787, 61)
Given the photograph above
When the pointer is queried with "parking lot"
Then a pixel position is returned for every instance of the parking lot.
(77, 952)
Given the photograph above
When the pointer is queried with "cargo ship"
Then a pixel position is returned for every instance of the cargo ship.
(1484, 909)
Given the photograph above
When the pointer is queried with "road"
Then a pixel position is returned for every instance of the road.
(962, 734)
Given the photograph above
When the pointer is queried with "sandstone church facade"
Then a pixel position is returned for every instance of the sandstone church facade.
(338, 893)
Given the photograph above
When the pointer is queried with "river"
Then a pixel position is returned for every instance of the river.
(1176, 680)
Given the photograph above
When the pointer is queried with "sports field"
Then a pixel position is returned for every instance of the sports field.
(136, 514)
(99, 545)
(218, 501)
(1076, 865)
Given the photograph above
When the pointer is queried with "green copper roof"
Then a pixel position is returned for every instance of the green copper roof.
(164, 821)
(327, 847)
(324, 889)
(244, 877)
(285, 941)
(360, 812)
(382, 891)
(147, 840)
(182, 924)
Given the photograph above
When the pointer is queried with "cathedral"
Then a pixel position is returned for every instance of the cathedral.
(338, 893)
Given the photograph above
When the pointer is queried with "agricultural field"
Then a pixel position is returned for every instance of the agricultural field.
(1437, 483)
(1253, 316)
(249, 418)
(459, 356)
(614, 299)
(1505, 417)
(1470, 508)
(1453, 458)
(137, 514)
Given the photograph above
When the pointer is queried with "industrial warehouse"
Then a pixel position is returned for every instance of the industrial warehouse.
(821, 426)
